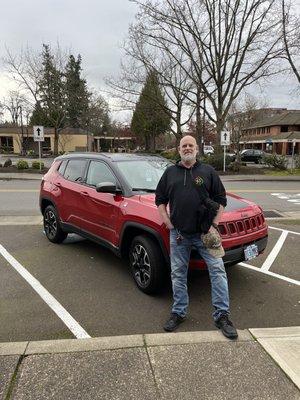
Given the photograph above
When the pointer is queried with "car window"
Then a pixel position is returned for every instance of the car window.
(99, 172)
(62, 167)
(143, 174)
(75, 170)
(258, 152)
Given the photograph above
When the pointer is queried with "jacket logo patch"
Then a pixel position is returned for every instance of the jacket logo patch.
(198, 180)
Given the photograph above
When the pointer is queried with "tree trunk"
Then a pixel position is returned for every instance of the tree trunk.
(199, 131)
(220, 126)
(55, 151)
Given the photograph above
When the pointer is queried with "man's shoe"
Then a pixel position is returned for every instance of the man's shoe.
(226, 327)
(173, 322)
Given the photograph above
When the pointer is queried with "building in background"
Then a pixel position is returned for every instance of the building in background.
(70, 139)
(277, 131)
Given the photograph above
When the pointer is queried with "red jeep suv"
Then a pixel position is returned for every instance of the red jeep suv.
(109, 198)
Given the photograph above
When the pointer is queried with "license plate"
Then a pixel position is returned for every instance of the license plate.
(251, 252)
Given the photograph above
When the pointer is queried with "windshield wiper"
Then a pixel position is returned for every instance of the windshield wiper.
(143, 190)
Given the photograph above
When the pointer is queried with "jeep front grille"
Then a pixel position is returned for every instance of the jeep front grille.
(243, 226)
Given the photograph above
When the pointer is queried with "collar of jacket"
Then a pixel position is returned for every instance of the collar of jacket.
(178, 164)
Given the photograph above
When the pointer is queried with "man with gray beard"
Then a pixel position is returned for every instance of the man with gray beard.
(180, 187)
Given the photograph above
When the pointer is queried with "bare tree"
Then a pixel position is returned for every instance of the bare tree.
(24, 68)
(291, 37)
(228, 44)
(19, 109)
(138, 62)
(242, 114)
(13, 104)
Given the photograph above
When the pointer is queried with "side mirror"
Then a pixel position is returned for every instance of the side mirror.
(108, 187)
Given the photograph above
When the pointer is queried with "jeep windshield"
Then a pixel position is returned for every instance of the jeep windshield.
(143, 175)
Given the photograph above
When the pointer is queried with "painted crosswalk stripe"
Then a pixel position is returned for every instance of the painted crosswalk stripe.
(59, 310)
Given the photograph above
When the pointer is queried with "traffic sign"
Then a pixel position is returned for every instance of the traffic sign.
(225, 138)
(38, 133)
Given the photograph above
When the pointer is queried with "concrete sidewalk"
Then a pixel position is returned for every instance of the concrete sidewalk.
(261, 364)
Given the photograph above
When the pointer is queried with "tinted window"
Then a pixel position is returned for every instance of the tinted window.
(99, 172)
(62, 167)
(258, 152)
(75, 170)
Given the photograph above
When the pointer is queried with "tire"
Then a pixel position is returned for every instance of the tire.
(147, 264)
(52, 226)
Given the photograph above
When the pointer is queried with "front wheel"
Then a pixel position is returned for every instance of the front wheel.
(147, 264)
(52, 226)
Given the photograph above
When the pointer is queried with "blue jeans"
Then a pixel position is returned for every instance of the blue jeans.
(180, 256)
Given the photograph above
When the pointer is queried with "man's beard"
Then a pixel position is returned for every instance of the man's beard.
(188, 157)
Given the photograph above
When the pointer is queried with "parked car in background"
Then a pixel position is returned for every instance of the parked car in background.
(208, 150)
(110, 198)
(252, 155)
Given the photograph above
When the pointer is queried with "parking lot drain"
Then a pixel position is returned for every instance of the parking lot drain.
(272, 214)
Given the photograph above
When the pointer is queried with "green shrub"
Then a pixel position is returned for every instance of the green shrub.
(7, 163)
(36, 165)
(235, 166)
(276, 161)
(170, 154)
(30, 152)
(297, 162)
(22, 164)
(216, 161)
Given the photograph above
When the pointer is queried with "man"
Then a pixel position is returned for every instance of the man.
(179, 187)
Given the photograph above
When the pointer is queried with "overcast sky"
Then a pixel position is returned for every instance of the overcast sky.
(95, 29)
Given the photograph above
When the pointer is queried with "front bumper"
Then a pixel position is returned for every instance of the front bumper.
(232, 255)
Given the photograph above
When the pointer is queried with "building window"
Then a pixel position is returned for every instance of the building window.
(284, 128)
(46, 144)
(6, 144)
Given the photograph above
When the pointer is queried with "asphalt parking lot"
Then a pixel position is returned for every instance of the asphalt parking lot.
(92, 291)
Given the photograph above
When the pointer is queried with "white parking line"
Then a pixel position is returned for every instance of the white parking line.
(59, 310)
(282, 277)
(271, 257)
(274, 253)
(286, 230)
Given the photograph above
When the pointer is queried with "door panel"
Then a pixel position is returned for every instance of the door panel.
(101, 210)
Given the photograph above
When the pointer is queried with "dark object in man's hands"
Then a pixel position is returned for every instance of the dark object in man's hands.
(207, 211)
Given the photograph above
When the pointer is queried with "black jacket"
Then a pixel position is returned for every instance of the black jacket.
(179, 187)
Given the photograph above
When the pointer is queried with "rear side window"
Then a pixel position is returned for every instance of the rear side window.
(99, 172)
(75, 170)
(62, 167)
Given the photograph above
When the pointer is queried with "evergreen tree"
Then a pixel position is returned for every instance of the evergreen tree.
(149, 118)
(50, 110)
(77, 95)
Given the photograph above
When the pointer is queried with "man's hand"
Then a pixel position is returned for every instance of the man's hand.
(162, 209)
(169, 225)
(212, 229)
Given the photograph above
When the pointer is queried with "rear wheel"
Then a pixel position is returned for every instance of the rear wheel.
(147, 264)
(52, 226)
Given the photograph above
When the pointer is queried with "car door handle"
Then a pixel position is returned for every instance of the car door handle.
(85, 194)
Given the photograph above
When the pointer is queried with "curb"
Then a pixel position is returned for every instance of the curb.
(117, 342)
(282, 344)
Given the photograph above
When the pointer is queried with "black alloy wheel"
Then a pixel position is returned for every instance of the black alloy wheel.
(147, 264)
(52, 226)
